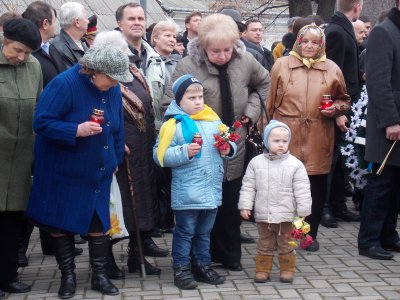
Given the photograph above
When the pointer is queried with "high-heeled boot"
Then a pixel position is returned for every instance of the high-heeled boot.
(98, 251)
(112, 270)
(65, 256)
(134, 259)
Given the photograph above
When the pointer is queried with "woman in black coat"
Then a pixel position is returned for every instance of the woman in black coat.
(140, 137)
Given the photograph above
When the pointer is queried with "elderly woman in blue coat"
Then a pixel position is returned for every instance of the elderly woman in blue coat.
(197, 174)
(75, 160)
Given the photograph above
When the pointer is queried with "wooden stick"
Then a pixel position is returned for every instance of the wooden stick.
(379, 172)
(135, 218)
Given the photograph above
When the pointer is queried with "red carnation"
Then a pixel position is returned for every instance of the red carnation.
(237, 124)
(307, 241)
(296, 234)
(233, 137)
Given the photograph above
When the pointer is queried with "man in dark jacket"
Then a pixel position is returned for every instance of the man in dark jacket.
(44, 17)
(342, 48)
(378, 232)
(252, 37)
(74, 22)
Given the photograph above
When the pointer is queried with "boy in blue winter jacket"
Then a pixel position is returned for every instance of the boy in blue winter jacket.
(197, 174)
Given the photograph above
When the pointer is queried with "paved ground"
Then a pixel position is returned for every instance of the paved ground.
(335, 272)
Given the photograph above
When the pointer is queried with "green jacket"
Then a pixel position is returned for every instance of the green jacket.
(20, 86)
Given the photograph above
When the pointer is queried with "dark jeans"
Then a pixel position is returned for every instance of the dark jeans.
(225, 236)
(191, 237)
(318, 185)
(11, 224)
(380, 209)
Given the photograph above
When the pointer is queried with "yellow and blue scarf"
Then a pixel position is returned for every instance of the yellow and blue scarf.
(189, 128)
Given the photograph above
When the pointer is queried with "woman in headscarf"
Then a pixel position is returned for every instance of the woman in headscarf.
(298, 83)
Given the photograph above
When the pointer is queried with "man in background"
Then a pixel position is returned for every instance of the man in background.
(192, 22)
(342, 48)
(252, 38)
(74, 23)
(378, 235)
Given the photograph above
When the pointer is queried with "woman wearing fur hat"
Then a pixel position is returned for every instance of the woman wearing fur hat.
(298, 82)
(20, 85)
(231, 78)
(75, 158)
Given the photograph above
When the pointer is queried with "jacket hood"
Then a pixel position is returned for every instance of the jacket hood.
(196, 52)
(173, 109)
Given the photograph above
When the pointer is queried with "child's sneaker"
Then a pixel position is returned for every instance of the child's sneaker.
(183, 278)
(208, 275)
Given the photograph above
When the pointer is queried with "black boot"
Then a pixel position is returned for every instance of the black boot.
(48, 244)
(208, 275)
(150, 248)
(65, 256)
(183, 278)
(134, 263)
(112, 269)
(23, 242)
(22, 259)
(98, 250)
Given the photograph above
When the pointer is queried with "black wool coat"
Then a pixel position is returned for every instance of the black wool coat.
(341, 47)
(51, 63)
(140, 143)
(263, 56)
(383, 86)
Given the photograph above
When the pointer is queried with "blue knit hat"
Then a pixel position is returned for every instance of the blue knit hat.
(181, 84)
(271, 125)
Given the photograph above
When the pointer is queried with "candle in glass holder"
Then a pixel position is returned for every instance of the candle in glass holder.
(197, 139)
(97, 116)
(326, 101)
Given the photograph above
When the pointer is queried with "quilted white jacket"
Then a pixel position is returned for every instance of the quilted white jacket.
(277, 187)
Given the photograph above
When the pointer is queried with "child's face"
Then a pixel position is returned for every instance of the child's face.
(278, 141)
(192, 101)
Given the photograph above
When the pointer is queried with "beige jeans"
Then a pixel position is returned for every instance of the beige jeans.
(274, 236)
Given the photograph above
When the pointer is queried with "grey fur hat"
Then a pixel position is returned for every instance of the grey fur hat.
(108, 60)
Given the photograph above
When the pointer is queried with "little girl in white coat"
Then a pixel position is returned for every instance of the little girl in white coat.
(276, 185)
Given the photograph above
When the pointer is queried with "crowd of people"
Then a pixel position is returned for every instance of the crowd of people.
(167, 115)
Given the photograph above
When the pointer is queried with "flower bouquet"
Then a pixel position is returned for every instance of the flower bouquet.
(299, 233)
(225, 135)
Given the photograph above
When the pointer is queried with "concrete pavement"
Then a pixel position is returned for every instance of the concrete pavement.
(334, 272)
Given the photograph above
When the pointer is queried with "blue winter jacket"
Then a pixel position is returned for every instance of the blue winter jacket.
(196, 182)
(72, 175)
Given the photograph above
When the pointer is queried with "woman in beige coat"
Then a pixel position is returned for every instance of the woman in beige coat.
(230, 77)
(298, 82)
